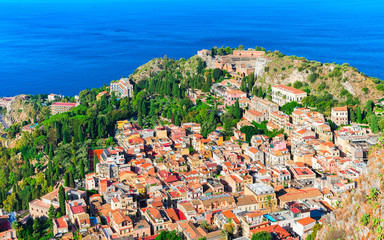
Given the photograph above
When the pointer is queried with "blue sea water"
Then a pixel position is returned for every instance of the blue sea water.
(64, 47)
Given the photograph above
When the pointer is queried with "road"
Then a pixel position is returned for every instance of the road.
(3, 122)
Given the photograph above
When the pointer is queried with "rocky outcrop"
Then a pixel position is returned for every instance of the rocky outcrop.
(360, 214)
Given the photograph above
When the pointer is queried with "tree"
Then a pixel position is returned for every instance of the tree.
(66, 179)
(352, 115)
(297, 84)
(249, 131)
(381, 124)
(71, 180)
(95, 161)
(168, 235)
(10, 202)
(289, 107)
(82, 174)
(236, 110)
(62, 200)
(51, 212)
(312, 77)
(229, 228)
(263, 235)
(359, 115)
(50, 154)
(169, 113)
(217, 73)
(269, 202)
(140, 120)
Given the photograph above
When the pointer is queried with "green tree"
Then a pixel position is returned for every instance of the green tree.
(50, 154)
(269, 202)
(51, 212)
(62, 200)
(352, 115)
(168, 235)
(217, 73)
(262, 235)
(289, 107)
(359, 115)
(95, 161)
(66, 179)
(82, 173)
(236, 110)
(297, 84)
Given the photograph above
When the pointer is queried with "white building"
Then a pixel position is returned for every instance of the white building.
(282, 94)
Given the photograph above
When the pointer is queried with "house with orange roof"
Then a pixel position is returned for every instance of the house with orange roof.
(158, 219)
(60, 225)
(282, 94)
(255, 154)
(339, 115)
(121, 223)
(252, 220)
(279, 118)
(275, 230)
(254, 116)
(293, 194)
(304, 226)
(222, 218)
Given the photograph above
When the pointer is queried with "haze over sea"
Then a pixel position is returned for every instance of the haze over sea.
(65, 46)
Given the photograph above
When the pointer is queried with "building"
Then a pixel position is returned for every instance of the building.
(52, 97)
(282, 94)
(248, 53)
(252, 115)
(121, 224)
(122, 87)
(232, 95)
(279, 118)
(261, 191)
(61, 107)
(60, 225)
(339, 115)
(263, 105)
(303, 226)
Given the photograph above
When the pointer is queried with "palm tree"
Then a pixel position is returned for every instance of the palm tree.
(269, 202)
(229, 228)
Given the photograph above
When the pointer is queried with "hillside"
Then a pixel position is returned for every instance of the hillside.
(185, 67)
(344, 82)
(319, 77)
(360, 214)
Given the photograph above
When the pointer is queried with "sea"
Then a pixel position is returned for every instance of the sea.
(65, 46)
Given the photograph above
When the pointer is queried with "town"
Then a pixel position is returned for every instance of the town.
(278, 173)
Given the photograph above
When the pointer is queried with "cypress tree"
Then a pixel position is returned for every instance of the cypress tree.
(359, 115)
(144, 108)
(95, 161)
(140, 121)
(62, 200)
(66, 179)
(82, 175)
(80, 134)
(169, 113)
(50, 154)
(71, 180)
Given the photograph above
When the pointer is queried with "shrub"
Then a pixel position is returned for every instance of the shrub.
(365, 90)
(312, 77)
(380, 87)
(297, 84)
(343, 92)
(322, 86)
(364, 219)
